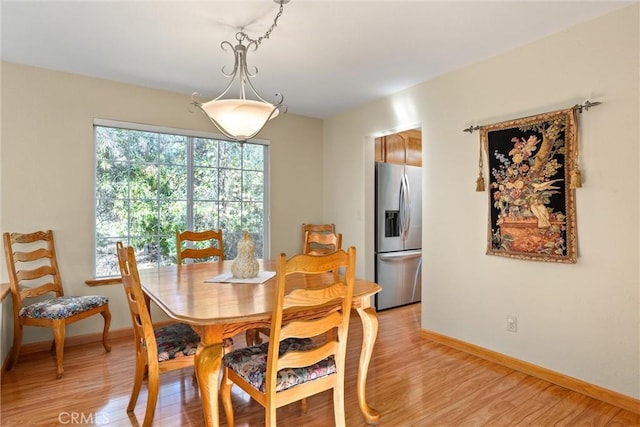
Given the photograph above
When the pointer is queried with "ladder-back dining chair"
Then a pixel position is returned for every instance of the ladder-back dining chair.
(318, 239)
(199, 245)
(33, 271)
(202, 248)
(158, 350)
(308, 356)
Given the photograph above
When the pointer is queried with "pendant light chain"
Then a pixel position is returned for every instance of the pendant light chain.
(242, 36)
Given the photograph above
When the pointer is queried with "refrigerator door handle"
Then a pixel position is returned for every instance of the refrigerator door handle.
(399, 256)
(407, 206)
(401, 209)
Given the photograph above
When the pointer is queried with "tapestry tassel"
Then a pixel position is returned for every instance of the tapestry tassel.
(480, 180)
(576, 179)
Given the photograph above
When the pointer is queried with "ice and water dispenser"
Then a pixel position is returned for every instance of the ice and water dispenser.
(391, 223)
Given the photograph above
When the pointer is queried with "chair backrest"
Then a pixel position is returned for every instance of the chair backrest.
(317, 243)
(138, 308)
(32, 265)
(201, 250)
(318, 228)
(332, 297)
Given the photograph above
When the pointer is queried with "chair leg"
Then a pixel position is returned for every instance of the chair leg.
(225, 395)
(58, 336)
(153, 386)
(251, 336)
(338, 403)
(137, 381)
(270, 416)
(227, 345)
(17, 343)
(105, 332)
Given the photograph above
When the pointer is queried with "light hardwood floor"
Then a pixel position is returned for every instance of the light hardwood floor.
(412, 382)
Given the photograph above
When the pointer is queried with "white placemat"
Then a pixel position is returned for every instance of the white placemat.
(262, 277)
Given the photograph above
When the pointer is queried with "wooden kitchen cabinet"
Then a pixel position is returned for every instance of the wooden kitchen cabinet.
(401, 148)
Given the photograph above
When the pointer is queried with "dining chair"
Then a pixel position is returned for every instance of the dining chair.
(319, 239)
(33, 271)
(202, 252)
(199, 249)
(304, 361)
(317, 243)
(158, 350)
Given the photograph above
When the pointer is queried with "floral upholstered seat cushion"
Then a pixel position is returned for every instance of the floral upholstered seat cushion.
(175, 341)
(251, 364)
(62, 307)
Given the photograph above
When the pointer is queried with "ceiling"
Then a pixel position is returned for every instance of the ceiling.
(325, 57)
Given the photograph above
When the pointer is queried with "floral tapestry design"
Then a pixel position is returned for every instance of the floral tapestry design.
(531, 205)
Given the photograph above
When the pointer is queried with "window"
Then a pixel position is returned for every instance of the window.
(151, 182)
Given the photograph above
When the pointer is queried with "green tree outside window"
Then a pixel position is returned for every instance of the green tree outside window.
(148, 185)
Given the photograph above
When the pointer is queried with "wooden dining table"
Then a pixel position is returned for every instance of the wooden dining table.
(217, 310)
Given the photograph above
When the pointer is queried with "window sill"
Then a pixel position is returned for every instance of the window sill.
(104, 282)
(5, 289)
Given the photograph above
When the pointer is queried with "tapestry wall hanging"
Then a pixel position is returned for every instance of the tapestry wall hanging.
(533, 174)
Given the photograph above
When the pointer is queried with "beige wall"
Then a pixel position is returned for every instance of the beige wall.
(47, 162)
(581, 319)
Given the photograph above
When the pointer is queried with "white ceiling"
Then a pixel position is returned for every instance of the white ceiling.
(324, 57)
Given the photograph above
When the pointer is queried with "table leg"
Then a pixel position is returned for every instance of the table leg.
(208, 361)
(369, 333)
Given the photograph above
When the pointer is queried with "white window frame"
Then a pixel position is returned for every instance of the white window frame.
(194, 134)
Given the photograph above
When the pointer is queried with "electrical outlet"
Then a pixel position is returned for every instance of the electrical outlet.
(512, 323)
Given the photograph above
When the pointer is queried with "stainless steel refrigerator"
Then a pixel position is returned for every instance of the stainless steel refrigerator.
(398, 234)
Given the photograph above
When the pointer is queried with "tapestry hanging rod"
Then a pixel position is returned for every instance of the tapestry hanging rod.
(578, 107)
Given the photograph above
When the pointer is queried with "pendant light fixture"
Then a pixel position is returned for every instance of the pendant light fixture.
(242, 118)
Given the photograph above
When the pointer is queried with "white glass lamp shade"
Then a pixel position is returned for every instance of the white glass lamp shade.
(240, 118)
